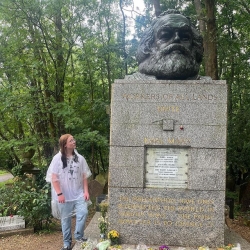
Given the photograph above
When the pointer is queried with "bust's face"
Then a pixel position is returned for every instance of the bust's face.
(172, 29)
(172, 54)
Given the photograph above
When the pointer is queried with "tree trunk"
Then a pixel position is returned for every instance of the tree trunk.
(59, 66)
(157, 7)
(202, 24)
(125, 56)
(207, 26)
(244, 196)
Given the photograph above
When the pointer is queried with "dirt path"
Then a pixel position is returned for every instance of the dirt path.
(5, 177)
(37, 241)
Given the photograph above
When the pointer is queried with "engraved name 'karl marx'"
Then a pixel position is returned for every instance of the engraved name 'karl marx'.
(171, 48)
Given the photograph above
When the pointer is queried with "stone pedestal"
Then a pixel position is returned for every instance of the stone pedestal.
(168, 162)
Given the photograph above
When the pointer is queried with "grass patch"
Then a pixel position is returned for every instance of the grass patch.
(10, 181)
(2, 172)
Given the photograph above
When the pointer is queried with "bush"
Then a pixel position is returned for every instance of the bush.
(27, 199)
(7, 204)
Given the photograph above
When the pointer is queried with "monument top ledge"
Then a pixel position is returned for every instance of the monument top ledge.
(138, 78)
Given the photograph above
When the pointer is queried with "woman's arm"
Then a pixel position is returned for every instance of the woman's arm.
(85, 187)
(56, 185)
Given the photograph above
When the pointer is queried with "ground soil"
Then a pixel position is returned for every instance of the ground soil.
(53, 240)
(241, 225)
(45, 240)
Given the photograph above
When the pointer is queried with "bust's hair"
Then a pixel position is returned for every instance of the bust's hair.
(169, 11)
(144, 48)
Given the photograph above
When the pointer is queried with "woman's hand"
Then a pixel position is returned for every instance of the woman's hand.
(61, 199)
(86, 196)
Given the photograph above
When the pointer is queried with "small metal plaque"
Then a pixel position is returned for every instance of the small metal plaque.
(166, 167)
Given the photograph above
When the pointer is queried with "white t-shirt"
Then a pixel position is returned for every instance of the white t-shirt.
(70, 178)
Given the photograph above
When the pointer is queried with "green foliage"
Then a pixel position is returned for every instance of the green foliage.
(17, 170)
(2, 172)
(58, 60)
(26, 199)
(233, 30)
(87, 139)
(8, 182)
(7, 205)
(6, 161)
(234, 195)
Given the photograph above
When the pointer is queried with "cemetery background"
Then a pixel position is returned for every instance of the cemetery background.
(232, 61)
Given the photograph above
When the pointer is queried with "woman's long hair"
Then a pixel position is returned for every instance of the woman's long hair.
(62, 142)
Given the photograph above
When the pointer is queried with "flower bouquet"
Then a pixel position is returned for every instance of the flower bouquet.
(103, 226)
(103, 221)
(230, 247)
(164, 247)
(115, 247)
(203, 248)
(104, 208)
(103, 245)
(89, 245)
(113, 235)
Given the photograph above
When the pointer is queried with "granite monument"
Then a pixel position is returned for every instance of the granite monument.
(168, 143)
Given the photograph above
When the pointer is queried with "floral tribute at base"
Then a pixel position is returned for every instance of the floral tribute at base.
(112, 243)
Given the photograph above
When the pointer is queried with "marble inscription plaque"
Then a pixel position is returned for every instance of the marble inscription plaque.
(166, 167)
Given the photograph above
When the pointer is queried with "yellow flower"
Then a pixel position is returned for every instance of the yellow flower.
(113, 234)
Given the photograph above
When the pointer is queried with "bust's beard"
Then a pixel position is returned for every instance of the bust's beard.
(173, 63)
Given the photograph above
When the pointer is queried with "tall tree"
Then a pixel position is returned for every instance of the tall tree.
(206, 12)
(43, 45)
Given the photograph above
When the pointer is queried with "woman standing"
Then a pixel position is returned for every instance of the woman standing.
(68, 173)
